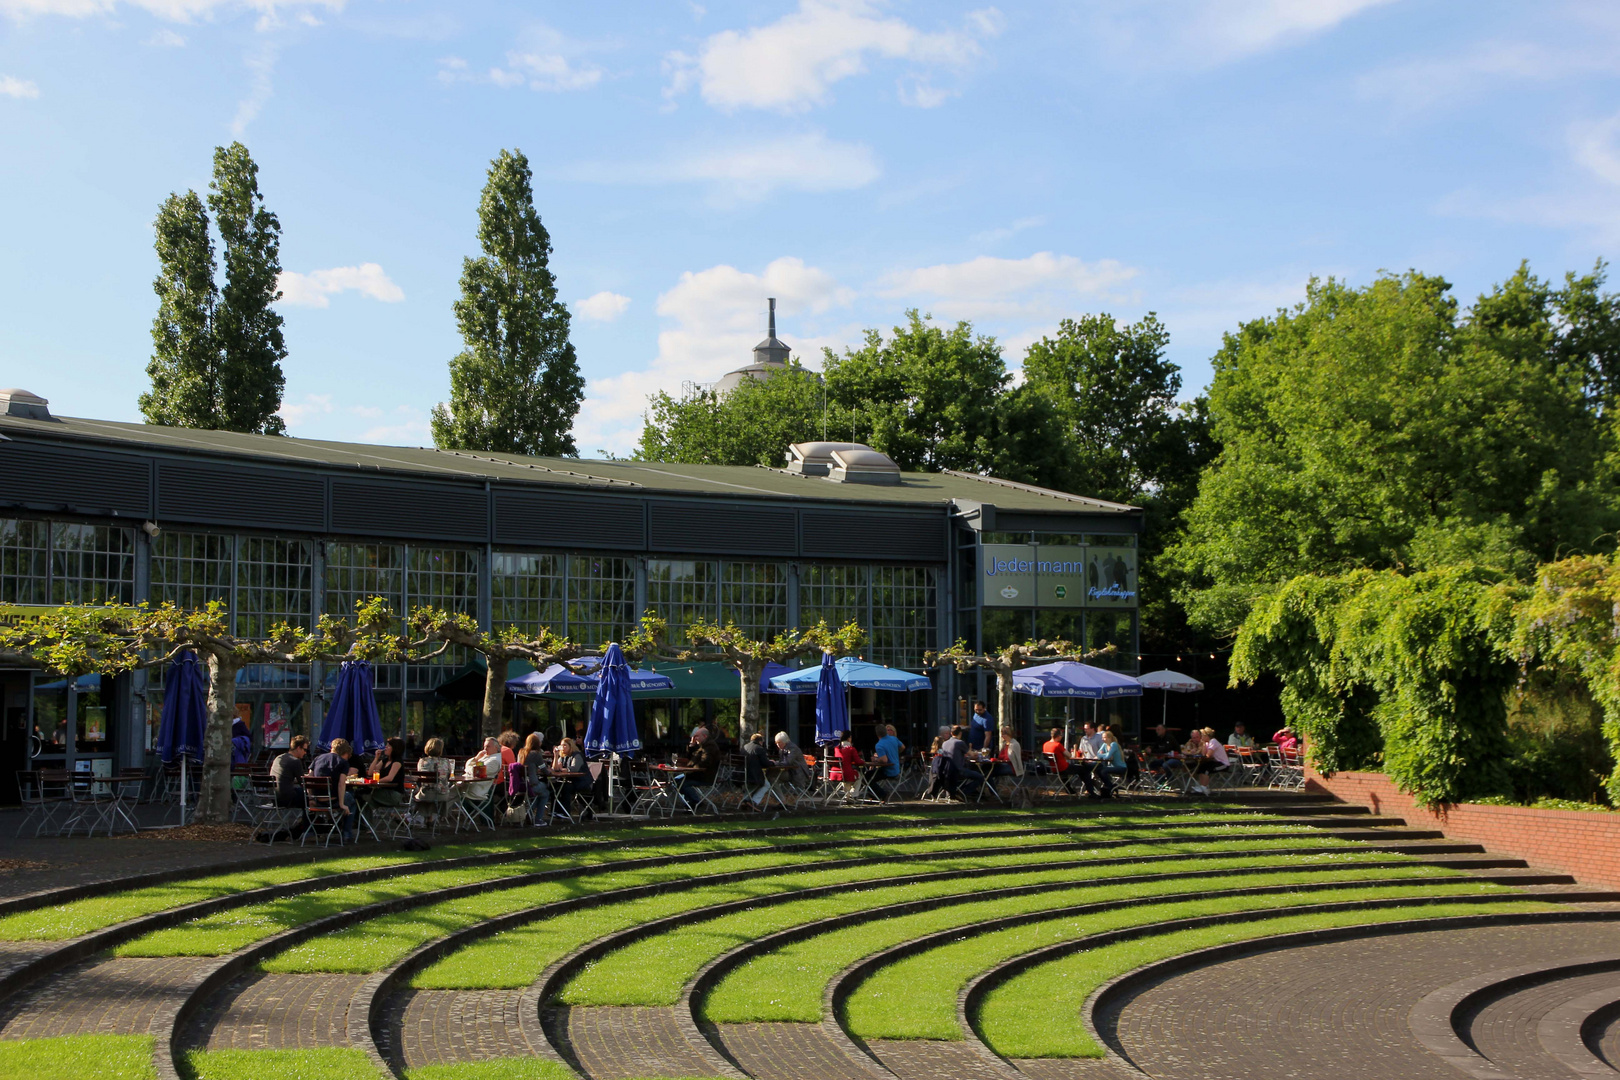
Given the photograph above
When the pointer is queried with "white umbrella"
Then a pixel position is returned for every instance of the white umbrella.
(1169, 681)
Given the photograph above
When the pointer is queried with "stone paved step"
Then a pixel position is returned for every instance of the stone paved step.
(788, 1052)
(930, 1059)
(613, 1043)
(116, 996)
(445, 1026)
(278, 1011)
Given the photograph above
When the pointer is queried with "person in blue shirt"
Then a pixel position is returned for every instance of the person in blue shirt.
(1110, 763)
(980, 725)
(888, 751)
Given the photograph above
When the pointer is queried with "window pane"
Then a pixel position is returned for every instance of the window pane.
(835, 595)
(527, 590)
(24, 551)
(445, 578)
(601, 598)
(903, 615)
(754, 596)
(273, 587)
(191, 570)
(682, 591)
(91, 564)
(356, 572)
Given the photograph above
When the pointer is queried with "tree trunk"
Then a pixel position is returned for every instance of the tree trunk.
(489, 723)
(1006, 704)
(748, 714)
(214, 796)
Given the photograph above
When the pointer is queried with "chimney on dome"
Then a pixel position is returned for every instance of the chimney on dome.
(771, 350)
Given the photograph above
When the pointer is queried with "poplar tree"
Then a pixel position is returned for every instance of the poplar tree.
(516, 387)
(216, 355)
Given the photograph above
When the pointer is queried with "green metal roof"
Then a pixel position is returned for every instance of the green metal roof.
(628, 476)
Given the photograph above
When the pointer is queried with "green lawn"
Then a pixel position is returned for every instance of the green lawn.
(512, 1068)
(1036, 1014)
(916, 997)
(78, 1057)
(325, 1063)
(786, 984)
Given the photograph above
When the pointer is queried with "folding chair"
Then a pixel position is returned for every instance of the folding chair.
(40, 806)
(323, 813)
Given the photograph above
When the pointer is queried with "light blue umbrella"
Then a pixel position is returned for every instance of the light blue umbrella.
(612, 728)
(184, 719)
(557, 679)
(832, 711)
(353, 715)
(1072, 679)
(861, 674)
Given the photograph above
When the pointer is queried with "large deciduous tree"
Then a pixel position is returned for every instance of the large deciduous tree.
(516, 387)
(731, 645)
(1383, 427)
(1008, 660)
(216, 353)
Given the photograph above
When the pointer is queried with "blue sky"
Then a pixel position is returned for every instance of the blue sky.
(1010, 164)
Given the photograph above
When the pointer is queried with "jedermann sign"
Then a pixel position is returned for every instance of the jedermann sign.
(1041, 576)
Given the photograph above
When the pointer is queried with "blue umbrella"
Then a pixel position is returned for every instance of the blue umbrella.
(612, 728)
(353, 715)
(184, 719)
(832, 711)
(861, 674)
(557, 679)
(1071, 679)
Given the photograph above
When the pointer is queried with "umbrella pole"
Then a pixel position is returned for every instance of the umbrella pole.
(1164, 709)
(183, 788)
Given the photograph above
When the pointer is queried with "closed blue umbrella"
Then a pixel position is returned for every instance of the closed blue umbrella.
(832, 711)
(184, 718)
(353, 714)
(612, 728)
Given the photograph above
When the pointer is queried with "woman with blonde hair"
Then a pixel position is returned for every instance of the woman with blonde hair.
(535, 774)
(1212, 758)
(433, 772)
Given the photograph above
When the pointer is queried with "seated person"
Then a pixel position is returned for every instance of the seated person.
(1090, 742)
(1059, 757)
(789, 755)
(1286, 739)
(241, 742)
(1111, 766)
(1212, 758)
(942, 779)
(888, 753)
(955, 748)
(1010, 758)
(337, 765)
(705, 761)
(1160, 746)
(433, 772)
(485, 768)
(755, 757)
(848, 768)
(388, 766)
(1240, 737)
(288, 769)
(532, 760)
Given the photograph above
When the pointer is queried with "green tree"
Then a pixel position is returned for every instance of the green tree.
(753, 424)
(516, 387)
(1382, 427)
(1127, 439)
(216, 354)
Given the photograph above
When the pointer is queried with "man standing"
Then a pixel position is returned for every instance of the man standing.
(980, 724)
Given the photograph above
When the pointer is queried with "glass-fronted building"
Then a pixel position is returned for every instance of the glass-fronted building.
(286, 530)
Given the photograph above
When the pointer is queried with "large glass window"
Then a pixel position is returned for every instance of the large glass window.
(754, 596)
(357, 572)
(834, 595)
(272, 584)
(191, 570)
(682, 591)
(92, 563)
(445, 578)
(903, 615)
(527, 590)
(24, 561)
(601, 598)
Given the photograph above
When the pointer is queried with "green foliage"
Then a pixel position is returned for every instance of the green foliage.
(78, 1057)
(516, 387)
(753, 424)
(216, 359)
(1380, 427)
(1427, 658)
(1557, 750)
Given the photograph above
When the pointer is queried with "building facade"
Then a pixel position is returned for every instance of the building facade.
(286, 530)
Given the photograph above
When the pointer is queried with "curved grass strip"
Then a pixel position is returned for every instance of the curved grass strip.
(788, 984)
(320, 1063)
(78, 1057)
(373, 944)
(1036, 1014)
(509, 1068)
(654, 971)
(915, 998)
(515, 958)
(235, 928)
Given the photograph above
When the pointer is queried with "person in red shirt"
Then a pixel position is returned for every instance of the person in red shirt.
(848, 769)
(1054, 750)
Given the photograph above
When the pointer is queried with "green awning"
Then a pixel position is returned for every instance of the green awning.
(711, 680)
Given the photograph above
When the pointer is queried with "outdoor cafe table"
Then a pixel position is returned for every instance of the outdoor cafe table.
(987, 769)
(468, 811)
(667, 778)
(364, 787)
(559, 780)
(772, 772)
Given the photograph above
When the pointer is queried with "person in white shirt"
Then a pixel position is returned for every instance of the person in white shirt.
(490, 756)
(1212, 759)
(1090, 744)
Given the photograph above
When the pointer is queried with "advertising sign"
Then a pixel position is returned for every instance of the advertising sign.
(1007, 575)
(1060, 577)
(1110, 577)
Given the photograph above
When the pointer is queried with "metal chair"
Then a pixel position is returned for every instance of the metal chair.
(39, 806)
(323, 811)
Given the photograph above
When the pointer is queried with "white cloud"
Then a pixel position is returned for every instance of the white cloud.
(544, 60)
(714, 318)
(13, 87)
(166, 39)
(410, 427)
(300, 413)
(991, 236)
(748, 172)
(991, 287)
(1435, 81)
(1594, 147)
(791, 64)
(602, 306)
(1204, 33)
(261, 64)
(316, 287)
(183, 11)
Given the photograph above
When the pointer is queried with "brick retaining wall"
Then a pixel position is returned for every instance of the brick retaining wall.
(1584, 843)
